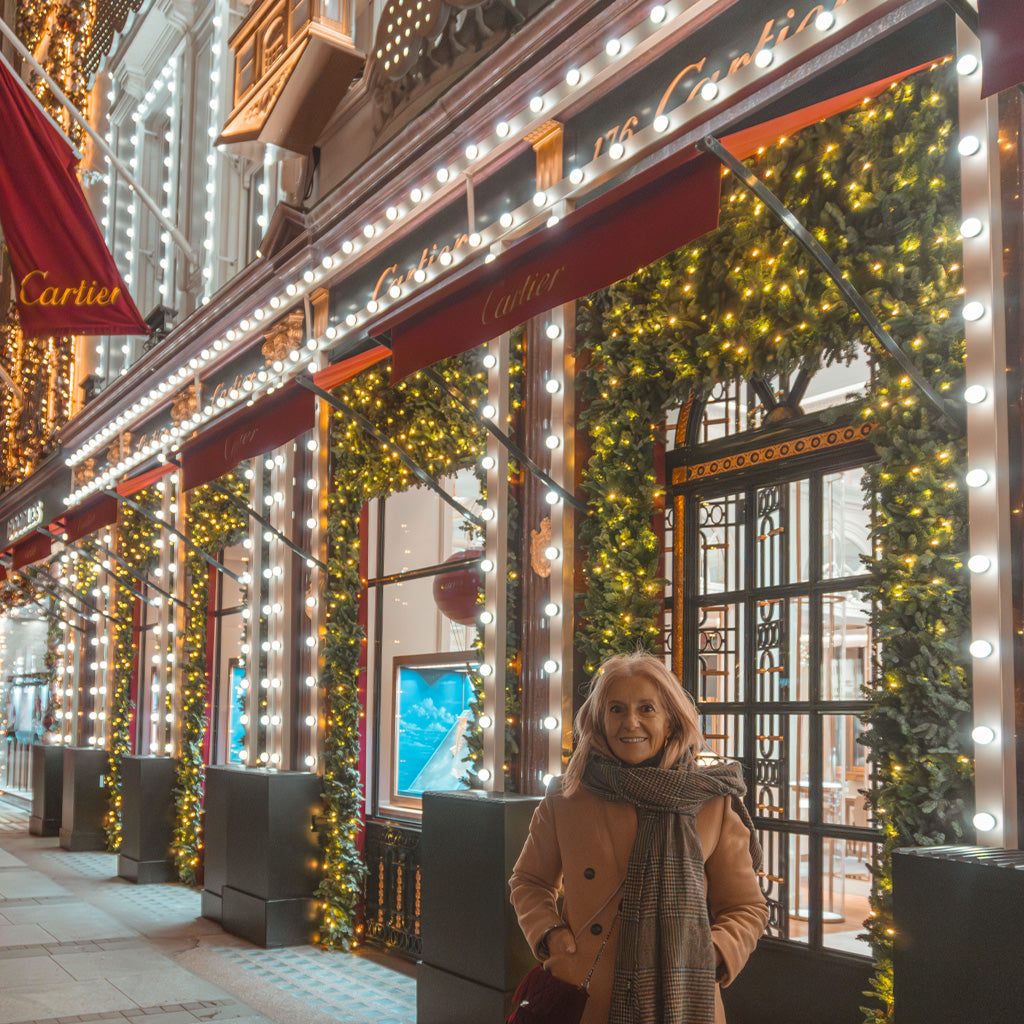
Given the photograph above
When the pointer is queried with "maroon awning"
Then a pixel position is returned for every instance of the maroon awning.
(251, 431)
(126, 488)
(623, 229)
(33, 548)
(90, 516)
(1001, 35)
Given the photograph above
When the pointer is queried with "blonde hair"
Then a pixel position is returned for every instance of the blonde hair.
(684, 738)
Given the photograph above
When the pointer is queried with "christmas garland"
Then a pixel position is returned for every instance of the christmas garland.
(441, 438)
(137, 549)
(215, 521)
(879, 188)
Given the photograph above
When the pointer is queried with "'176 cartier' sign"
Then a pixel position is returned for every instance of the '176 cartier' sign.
(24, 521)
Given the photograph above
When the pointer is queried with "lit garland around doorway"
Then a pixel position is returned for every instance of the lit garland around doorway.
(879, 187)
(442, 439)
(215, 521)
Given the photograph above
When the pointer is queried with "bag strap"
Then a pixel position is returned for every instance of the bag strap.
(586, 981)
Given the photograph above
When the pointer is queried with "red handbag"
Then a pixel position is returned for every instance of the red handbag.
(541, 998)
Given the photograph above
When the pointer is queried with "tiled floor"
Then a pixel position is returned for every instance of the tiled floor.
(79, 945)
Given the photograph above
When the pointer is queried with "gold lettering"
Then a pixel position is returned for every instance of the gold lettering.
(83, 294)
(388, 271)
(532, 287)
(699, 66)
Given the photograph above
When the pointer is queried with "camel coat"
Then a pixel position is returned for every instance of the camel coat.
(581, 845)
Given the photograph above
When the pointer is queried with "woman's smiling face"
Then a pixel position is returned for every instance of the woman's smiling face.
(636, 724)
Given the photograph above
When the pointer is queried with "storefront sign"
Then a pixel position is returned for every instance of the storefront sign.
(24, 521)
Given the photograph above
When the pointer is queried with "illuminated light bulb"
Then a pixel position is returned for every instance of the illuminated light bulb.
(310, 720)
(613, 47)
(824, 21)
(368, 230)
(487, 514)
(484, 775)
(445, 259)
(487, 565)
(981, 649)
(984, 822)
(552, 220)
(550, 666)
(979, 563)
(502, 128)
(552, 386)
(975, 394)
(973, 311)
(968, 145)
(485, 721)
(540, 199)
(708, 91)
(983, 735)
(487, 462)
(537, 104)
(472, 151)
(661, 123)
(553, 331)
(546, 779)
(967, 64)
(506, 220)
(551, 552)
(308, 276)
(391, 213)
(976, 478)
(475, 239)
(971, 227)
(658, 14)
(310, 681)
(550, 723)
(763, 58)
(372, 306)
(351, 320)
(552, 441)
(310, 760)
(552, 497)
(488, 412)
(490, 361)
(573, 77)
(347, 246)
(486, 617)
(616, 150)
(551, 609)
(486, 670)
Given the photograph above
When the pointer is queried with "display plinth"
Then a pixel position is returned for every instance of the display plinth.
(265, 857)
(474, 954)
(47, 789)
(84, 806)
(147, 819)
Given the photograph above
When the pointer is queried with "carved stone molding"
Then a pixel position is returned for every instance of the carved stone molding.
(284, 337)
(185, 403)
(540, 539)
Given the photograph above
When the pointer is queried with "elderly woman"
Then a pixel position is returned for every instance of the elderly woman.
(654, 853)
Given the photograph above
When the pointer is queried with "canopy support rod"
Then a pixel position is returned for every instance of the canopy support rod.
(53, 597)
(101, 145)
(710, 144)
(265, 523)
(93, 609)
(502, 438)
(146, 514)
(423, 476)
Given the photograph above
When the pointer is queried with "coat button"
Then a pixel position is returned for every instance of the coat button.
(588, 872)
(596, 929)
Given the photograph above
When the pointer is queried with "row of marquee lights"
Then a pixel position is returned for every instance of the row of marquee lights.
(378, 233)
(971, 147)
(615, 49)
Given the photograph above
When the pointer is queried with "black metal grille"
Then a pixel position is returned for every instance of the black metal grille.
(111, 18)
(392, 895)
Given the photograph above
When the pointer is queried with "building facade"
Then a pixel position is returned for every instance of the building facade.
(490, 339)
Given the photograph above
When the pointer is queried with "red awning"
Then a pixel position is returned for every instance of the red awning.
(1001, 35)
(251, 431)
(91, 516)
(33, 548)
(623, 229)
(331, 376)
(604, 241)
(126, 488)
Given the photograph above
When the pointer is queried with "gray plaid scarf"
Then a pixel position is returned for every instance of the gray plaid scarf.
(665, 964)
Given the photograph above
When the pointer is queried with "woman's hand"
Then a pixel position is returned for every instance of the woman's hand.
(560, 942)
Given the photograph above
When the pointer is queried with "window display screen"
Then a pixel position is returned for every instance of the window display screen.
(433, 713)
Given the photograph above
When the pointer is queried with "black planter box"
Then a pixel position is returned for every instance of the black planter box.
(47, 789)
(474, 954)
(147, 815)
(261, 823)
(957, 954)
(84, 805)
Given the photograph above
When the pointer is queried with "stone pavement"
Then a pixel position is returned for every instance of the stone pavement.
(78, 944)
